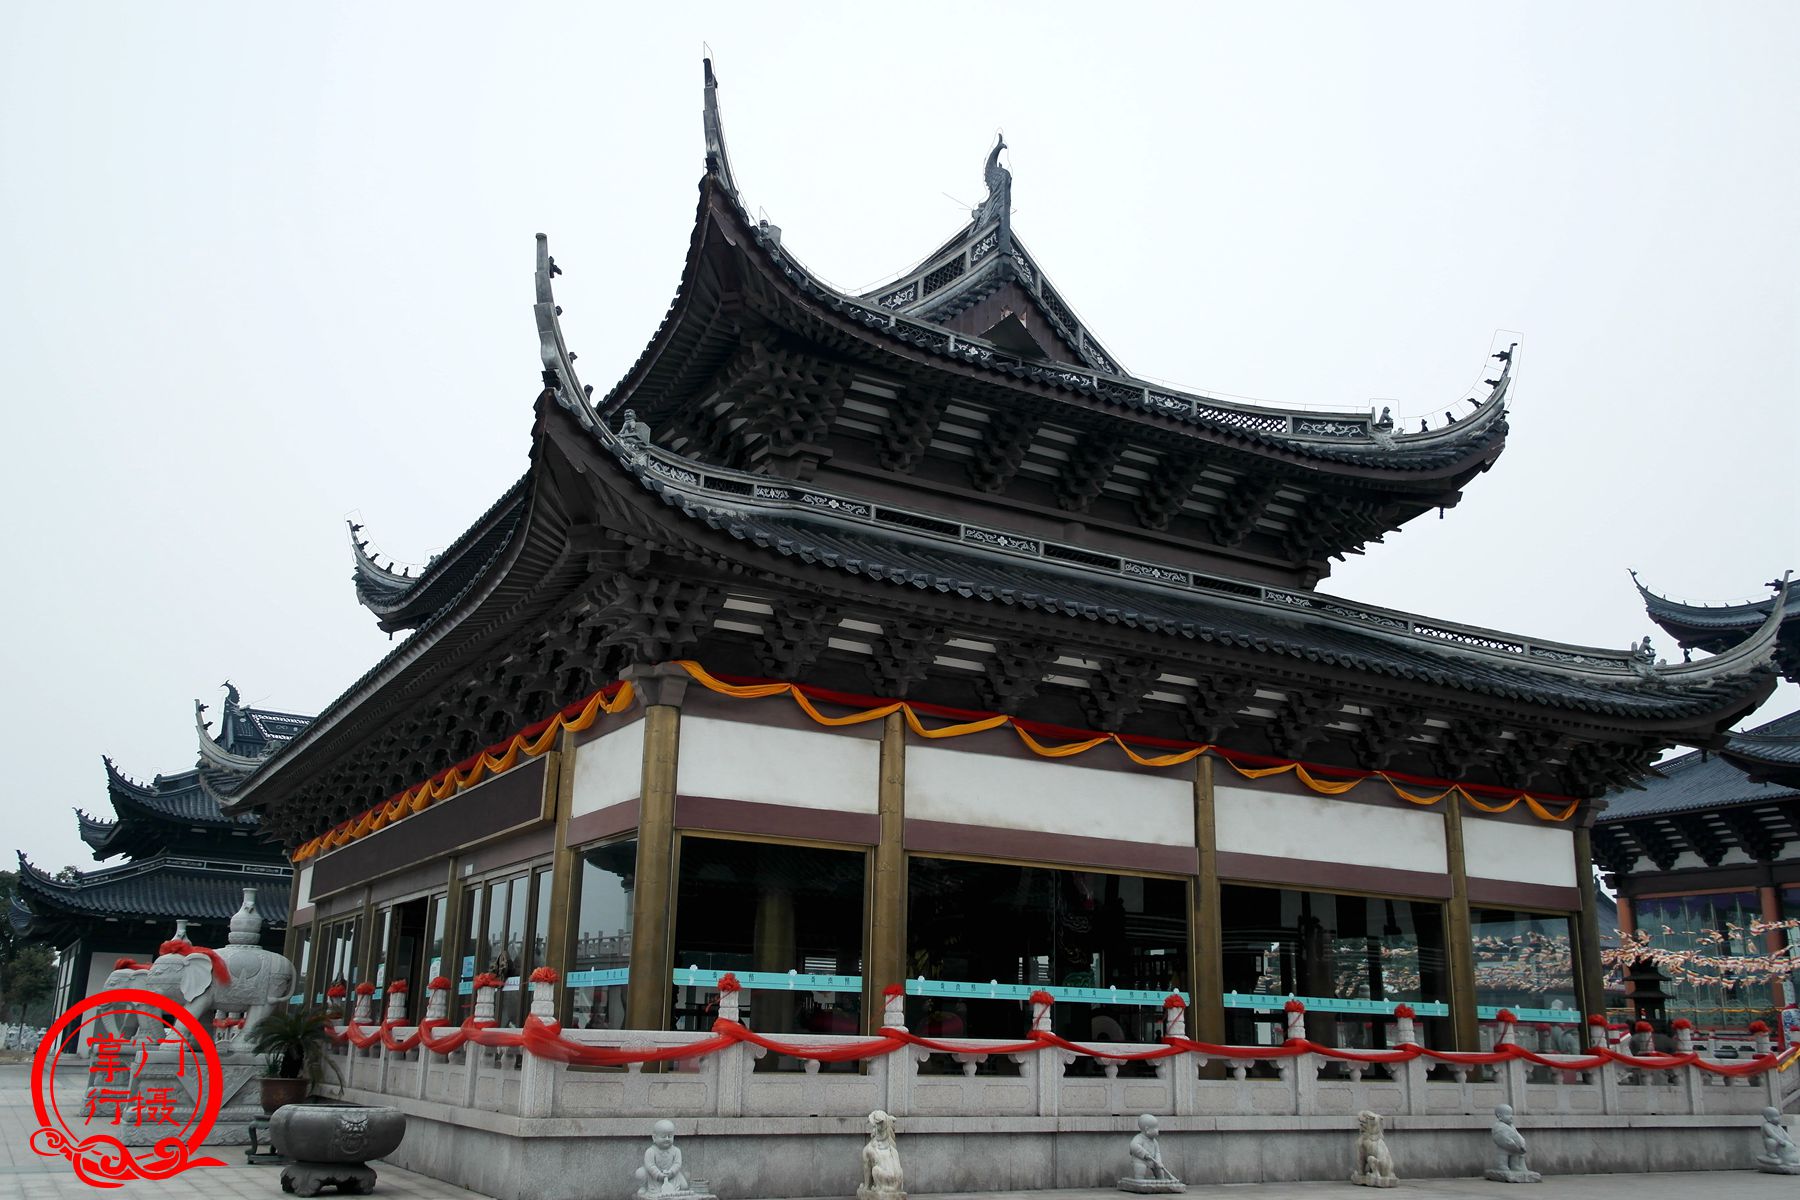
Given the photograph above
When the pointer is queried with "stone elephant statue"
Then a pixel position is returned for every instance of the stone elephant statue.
(126, 973)
(261, 982)
(187, 976)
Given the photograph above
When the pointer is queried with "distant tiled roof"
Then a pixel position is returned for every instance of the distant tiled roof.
(160, 887)
(1700, 780)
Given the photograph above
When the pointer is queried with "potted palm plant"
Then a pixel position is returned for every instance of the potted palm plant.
(295, 1049)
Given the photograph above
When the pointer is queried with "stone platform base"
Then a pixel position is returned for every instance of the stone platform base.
(1498, 1176)
(558, 1158)
(1382, 1181)
(1152, 1187)
(307, 1179)
(1777, 1168)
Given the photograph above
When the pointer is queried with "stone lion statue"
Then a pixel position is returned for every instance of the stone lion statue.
(1374, 1165)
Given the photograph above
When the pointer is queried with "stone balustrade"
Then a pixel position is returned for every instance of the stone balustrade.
(743, 1080)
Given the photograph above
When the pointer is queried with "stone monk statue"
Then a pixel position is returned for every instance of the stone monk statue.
(662, 1176)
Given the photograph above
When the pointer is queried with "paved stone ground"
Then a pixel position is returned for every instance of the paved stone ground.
(25, 1175)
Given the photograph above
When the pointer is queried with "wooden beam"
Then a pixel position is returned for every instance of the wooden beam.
(887, 892)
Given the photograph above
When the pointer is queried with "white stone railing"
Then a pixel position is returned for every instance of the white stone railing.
(914, 1080)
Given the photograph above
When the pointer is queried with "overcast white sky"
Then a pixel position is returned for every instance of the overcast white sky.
(262, 267)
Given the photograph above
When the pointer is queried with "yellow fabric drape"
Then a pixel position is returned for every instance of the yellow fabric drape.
(418, 798)
(1324, 787)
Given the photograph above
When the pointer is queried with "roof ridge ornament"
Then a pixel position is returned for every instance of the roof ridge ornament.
(559, 364)
(718, 162)
(998, 204)
(215, 755)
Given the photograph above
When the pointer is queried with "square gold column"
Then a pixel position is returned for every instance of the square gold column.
(1206, 923)
(886, 959)
(1590, 983)
(660, 689)
(1459, 935)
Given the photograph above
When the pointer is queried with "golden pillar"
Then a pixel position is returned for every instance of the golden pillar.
(660, 689)
(559, 781)
(886, 960)
(1206, 932)
(1590, 983)
(1459, 935)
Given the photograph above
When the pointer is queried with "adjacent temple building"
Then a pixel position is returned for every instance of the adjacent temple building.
(185, 859)
(852, 641)
(1706, 855)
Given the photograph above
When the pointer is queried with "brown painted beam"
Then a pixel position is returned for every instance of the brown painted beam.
(887, 893)
(1459, 936)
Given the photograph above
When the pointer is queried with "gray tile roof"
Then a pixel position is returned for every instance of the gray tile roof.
(1698, 780)
(157, 887)
(1077, 593)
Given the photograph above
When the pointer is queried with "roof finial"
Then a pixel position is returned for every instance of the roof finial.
(718, 163)
(999, 198)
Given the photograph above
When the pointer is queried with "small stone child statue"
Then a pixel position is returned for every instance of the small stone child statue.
(1780, 1156)
(1512, 1168)
(1148, 1175)
(662, 1175)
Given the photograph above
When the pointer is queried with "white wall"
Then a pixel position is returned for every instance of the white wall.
(609, 769)
(801, 768)
(1252, 821)
(1518, 853)
(1049, 796)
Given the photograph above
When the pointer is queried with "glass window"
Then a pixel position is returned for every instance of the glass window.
(434, 938)
(1370, 951)
(336, 962)
(970, 922)
(303, 976)
(468, 949)
(1717, 925)
(601, 956)
(384, 921)
(1526, 961)
(765, 907)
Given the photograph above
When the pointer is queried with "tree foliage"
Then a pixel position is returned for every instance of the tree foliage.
(27, 971)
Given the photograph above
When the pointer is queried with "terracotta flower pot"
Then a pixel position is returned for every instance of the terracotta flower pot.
(277, 1091)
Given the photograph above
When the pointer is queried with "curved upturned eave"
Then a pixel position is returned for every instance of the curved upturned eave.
(440, 625)
(1689, 622)
(214, 755)
(1458, 451)
(1714, 698)
(400, 601)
